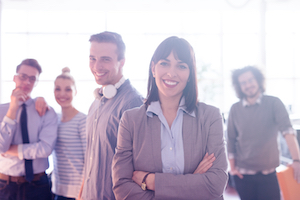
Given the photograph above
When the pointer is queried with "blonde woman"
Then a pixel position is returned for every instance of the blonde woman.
(68, 154)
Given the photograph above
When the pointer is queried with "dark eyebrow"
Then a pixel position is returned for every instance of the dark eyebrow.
(169, 60)
(25, 74)
(106, 57)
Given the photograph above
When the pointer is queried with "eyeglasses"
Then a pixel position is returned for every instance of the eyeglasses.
(24, 77)
(249, 81)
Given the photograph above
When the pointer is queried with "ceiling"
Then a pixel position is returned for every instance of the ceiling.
(141, 5)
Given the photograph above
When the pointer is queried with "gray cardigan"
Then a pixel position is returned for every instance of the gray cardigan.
(139, 148)
(253, 131)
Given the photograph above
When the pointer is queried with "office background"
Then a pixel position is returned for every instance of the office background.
(225, 34)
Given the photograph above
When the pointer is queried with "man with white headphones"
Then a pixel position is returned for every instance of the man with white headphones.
(114, 97)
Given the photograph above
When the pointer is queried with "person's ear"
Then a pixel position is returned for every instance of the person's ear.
(153, 69)
(122, 62)
(36, 82)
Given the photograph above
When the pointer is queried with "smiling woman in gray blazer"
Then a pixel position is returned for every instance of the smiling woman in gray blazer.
(172, 147)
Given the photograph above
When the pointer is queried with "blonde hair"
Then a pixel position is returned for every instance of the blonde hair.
(66, 75)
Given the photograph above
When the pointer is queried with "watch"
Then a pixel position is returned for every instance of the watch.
(144, 186)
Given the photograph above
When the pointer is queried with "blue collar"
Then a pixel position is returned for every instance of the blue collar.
(155, 108)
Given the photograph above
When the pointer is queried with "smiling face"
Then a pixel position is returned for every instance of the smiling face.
(249, 85)
(171, 76)
(64, 92)
(26, 78)
(104, 63)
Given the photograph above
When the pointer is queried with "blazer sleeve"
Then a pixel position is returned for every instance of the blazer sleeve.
(209, 185)
(122, 165)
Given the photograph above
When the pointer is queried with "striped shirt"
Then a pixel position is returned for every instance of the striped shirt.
(68, 157)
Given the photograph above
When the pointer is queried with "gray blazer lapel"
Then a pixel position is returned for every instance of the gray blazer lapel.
(188, 126)
(154, 129)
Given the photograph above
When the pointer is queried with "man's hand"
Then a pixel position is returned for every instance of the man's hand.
(236, 172)
(17, 95)
(205, 164)
(13, 150)
(233, 171)
(41, 106)
(296, 167)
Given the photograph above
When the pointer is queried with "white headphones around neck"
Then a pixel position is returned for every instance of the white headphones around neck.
(109, 91)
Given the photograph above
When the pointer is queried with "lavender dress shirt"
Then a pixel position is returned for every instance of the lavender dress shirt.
(42, 133)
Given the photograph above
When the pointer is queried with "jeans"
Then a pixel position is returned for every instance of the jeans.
(36, 190)
(57, 197)
(258, 187)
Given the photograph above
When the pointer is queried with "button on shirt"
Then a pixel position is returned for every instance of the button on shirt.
(172, 151)
(42, 133)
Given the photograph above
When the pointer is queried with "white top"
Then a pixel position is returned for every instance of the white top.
(68, 157)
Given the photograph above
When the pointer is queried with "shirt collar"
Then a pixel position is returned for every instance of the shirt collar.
(258, 101)
(28, 102)
(154, 108)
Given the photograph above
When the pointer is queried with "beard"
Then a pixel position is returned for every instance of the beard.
(252, 94)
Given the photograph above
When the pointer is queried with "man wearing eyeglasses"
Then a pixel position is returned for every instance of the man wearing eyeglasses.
(253, 126)
(26, 140)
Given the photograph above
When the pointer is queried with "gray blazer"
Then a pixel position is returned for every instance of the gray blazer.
(139, 149)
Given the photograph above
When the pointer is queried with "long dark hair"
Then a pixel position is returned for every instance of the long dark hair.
(183, 51)
(256, 73)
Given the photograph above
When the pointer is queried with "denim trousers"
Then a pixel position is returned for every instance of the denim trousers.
(57, 197)
(35, 190)
(258, 187)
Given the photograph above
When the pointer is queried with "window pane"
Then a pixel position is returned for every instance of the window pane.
(280, 55)
(240, 50)
(281, 88)
(240, 21)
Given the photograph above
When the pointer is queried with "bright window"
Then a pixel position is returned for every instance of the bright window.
(222, 40)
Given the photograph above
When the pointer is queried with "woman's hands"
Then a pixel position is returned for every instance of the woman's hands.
(205, 164)
(41, 106)
(138, 178)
